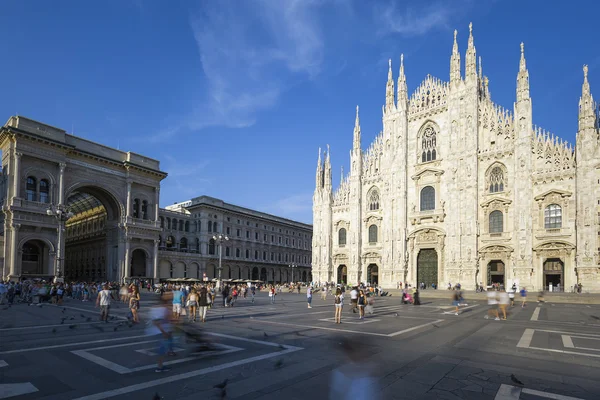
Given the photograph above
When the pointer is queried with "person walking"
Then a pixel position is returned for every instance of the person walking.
(177, 303)
(309, 292)
(503, 300)
(134, 305)
(523, 297)
(159, 316)
(354, 299)
(492, 305)
(272, 294)
(511, 295)
(192, 303)
(204, 300)
(362, 302)
(103, 300)
(339, 305)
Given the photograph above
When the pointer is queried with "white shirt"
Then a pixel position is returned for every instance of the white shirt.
(104, 296)
(354, 294)
(504, 298)
(491, 296)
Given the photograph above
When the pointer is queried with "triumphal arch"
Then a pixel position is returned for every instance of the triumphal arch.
(75, 209)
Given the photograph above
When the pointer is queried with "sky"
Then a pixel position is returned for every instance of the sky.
(234, 97)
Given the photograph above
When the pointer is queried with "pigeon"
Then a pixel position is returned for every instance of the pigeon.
(88, 319)
(596, 318)
(279, 364)
(282, 347)
(395, 314)
(221, 385)
(54, 330)
(298, 333)
(514, 379)
(63, 310)
(156, 396)
(62, 321)
(71, 319)
(115, 328)
(265, 334)
(72, 326)
(435, 325)
(82, 316)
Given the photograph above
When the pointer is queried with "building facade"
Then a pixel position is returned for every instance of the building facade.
(83, 211)
(260, 246)
(458, 189)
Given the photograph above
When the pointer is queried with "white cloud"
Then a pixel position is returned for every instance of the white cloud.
(249, 51)
(411, 21)
(297, 206)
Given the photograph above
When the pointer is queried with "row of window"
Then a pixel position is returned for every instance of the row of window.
(552, 220)
(140, 209)
(35, 192)
(256, 225)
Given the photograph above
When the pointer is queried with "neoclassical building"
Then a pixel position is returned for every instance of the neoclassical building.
(79, 210)
(458, 189)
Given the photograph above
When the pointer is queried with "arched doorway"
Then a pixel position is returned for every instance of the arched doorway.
(255, 273)
(210, 271)
(138, 263)
(427, 267)
(342, 275)
(373, 274)
(35, 259)
(263, 274)
(554, 271)
(92, 235)
(496, 273)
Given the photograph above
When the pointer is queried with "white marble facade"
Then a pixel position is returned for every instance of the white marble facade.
(458, 189)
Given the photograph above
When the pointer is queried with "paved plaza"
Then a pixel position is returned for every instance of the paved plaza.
(286, 351)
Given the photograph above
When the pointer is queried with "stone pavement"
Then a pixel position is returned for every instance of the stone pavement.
(288, 351)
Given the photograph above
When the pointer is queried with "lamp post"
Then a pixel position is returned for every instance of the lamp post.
(292, 266)
(62, 215)
(219, 239)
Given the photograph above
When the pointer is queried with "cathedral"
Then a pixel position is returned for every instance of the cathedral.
(458, 189)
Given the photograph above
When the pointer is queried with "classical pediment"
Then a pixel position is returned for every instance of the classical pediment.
(373, 218)
(371, 255)
(496, 202)
(340, 257)
(555, 245)
(341, 224)
(427, 171)
(496, 249)
(554, 192)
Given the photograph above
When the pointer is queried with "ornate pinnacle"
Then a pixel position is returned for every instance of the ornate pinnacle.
(470, 27)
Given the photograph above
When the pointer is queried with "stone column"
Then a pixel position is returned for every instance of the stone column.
(17, 174)
(156, 202)
(155, 264)
(127, 266)
(129, 199)
(14, 251)
(61, 187)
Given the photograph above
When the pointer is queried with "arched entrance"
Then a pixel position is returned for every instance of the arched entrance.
(255, 273)
(263, 274)
(427, 267)
(554, 271)
(342, 275)
(373, 274)
(92, 236)
(138, 263)
(495, 273)
(36, 259)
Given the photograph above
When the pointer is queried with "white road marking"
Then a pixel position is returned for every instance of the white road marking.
(569, 333)
(352, 331)
(525, 340)
(508, 392)
(567, 341)
(152, 351)
(549, 395)
(57, 346)
(3, 363)
(536, 314)
(188, 375)
(459, 309)
(358, 322)
(124, 370)
(16, 389)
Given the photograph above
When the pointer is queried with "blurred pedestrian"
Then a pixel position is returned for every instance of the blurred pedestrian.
(339, 305)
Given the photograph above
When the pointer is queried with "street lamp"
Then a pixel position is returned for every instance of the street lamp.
(292, 266)
(219, 239)
(62, 215)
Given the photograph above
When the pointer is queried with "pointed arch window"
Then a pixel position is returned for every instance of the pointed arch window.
(496, 222)
(373, 200)
(427, 198)
(428, 145)
(553, 217)
(30, 188)
(342, 237)
(496, 180)
(373, 233)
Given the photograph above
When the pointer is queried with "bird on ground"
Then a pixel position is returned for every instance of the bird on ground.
(221, 385)
(596, 318)
(279, 364)
(54, 330)
(282, 347)
(222, 316)
(63, 310)
(88, 319)
(72, 326)
(395, 314)
(71, 319)
(265, 334)
(514, 379)
(115, 328)
(82, 316)
(298, 333)
(156, 396)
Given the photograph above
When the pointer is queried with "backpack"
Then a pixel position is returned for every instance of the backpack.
(338, 300)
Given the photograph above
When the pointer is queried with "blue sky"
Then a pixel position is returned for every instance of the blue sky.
(235, 97)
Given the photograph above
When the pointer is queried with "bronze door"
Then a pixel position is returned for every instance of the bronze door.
(427, 267)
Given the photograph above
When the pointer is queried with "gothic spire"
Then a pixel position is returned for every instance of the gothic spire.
(402, 88)
(319, 177)
(342, 176)
(471, 59)
(389, 90)
(327, 172)
(455, 61)
(522, 77)
(356, 143)
(587, 114)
